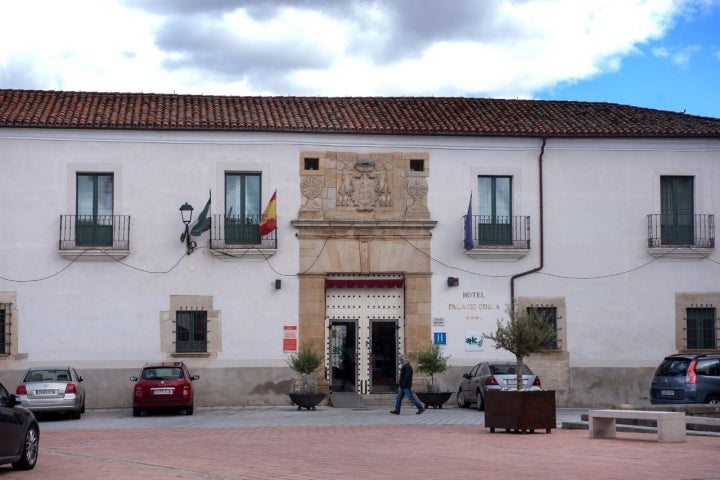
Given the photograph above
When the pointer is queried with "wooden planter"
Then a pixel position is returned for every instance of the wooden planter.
(520, 411)
(433, 399)
(307, 400)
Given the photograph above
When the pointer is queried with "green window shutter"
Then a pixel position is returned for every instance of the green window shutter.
(242, 208)
(550, 315)
(701, 328)
(94, 209)
(495, 210)
(190, 331)
(677, 210)
(3, 337)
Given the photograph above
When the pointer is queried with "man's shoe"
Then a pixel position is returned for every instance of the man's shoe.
(420, 410)
(394, 412)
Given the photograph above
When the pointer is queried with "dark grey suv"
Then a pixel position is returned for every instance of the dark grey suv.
(687, 378)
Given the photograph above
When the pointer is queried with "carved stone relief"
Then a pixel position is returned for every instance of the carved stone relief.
(312, 189)
(364, 184)
(377, 186)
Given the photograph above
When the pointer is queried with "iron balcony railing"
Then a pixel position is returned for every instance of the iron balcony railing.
(681, 230)
(500, 231)
(228, 232)
(110, 232)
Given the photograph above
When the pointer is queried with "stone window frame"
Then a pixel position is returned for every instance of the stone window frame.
(425, 157)
(9, 300)
(184, 303)
(683, 301)
(322, 163)
(561, 316)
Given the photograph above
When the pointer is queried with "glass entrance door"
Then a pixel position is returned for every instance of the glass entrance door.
(343, 356)
(383, 353)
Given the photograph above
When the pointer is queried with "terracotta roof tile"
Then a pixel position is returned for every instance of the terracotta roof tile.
(371, 115)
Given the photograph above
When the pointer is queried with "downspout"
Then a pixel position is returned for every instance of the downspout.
(542, 224)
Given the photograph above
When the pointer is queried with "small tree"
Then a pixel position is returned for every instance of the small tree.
(305, 363)
(525, 333)
(430, 362)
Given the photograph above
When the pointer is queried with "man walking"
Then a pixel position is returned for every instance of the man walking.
(404, 387)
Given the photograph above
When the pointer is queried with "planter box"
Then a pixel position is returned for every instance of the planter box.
(520, 411)
(307, 400)
(433, 399)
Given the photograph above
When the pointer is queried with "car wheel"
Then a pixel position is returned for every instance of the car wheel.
(82, 408)
(30, 450)
(189, 410)
(713, 400)
(136, 412)
(462, 403)
(480, 401)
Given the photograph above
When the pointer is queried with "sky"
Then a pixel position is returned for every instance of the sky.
(662, 54)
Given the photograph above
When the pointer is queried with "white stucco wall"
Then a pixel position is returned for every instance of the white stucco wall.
(105, 314)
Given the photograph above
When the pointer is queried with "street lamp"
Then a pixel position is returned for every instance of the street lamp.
(186, 214)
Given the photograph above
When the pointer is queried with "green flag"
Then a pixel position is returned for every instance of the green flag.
(203, 221)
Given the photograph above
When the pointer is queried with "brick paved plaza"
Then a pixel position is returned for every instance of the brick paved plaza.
(447, 443)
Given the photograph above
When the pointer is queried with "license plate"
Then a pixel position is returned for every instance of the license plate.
(667, 393)
(45, 392)
(162, 391)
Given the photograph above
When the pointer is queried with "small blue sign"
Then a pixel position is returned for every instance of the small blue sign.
(439, 338)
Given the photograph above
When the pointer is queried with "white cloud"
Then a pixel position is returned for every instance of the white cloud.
(494, 48)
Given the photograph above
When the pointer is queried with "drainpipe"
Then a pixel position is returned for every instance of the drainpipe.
(542, 223)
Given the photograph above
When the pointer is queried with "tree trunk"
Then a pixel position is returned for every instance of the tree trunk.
(519, 373)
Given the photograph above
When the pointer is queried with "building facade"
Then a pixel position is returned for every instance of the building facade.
(400, 222)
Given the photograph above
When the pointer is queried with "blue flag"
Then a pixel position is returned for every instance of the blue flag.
(469, 245)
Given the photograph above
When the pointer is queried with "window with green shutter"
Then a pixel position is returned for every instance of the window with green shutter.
(191, 331)
(494, 210)
(242, 208)
(550, 315)
(701, 328)
(676, 210)
(3, 327)
(94, 214)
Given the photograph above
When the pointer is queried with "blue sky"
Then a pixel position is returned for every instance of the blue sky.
(662, 54)
(690, 84)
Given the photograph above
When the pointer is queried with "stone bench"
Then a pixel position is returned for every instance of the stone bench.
(670, 425)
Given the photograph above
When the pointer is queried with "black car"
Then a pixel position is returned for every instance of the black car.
(687, 378)
(19, 433)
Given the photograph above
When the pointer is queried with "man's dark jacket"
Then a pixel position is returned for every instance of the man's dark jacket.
(406, 373)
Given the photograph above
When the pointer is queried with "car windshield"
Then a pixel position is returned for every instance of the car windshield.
(162, 373)
(47, 376)
(508, 369)
(673, 367)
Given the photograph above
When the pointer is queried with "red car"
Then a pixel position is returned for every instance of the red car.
(163, 385)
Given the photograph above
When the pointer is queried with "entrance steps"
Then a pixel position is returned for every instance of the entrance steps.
(353, 400)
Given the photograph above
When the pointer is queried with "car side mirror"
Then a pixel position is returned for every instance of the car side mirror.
(467, 375)
(195, 377)
(80, 378)
(133, 378)
(13, 400)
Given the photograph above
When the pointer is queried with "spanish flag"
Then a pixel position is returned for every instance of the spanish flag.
(268, 222)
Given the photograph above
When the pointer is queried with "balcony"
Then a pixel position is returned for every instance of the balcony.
(681, 235)
(93, 237)
(238, 238)
(499, 238)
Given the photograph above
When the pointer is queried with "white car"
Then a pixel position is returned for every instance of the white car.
(53, 389)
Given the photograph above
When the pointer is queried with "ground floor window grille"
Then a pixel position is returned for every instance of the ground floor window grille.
(4, 328)
(701, 328)
(550, 315)
(191, 331)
